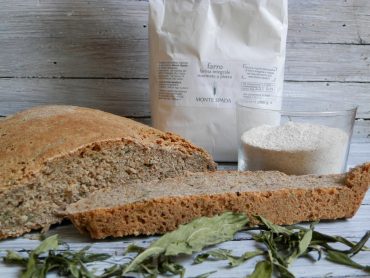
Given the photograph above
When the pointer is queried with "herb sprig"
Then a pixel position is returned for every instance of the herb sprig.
(65, 263)
(279, 247)
(284, 245)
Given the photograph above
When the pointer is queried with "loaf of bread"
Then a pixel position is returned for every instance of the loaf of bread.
(161, 206)
(51, 156)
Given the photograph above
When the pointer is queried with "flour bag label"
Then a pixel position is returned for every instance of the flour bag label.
(207, 54)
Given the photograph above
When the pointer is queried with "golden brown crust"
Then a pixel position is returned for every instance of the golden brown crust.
(285, 206)
(358, 180)
(30, 138)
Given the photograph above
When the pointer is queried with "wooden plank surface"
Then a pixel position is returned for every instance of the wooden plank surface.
(130, 97)
(329, 21)
(123, 97)
(119, 58)
(311, 21)
(352, 228)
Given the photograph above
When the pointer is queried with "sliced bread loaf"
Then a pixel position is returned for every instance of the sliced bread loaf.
(161, 206)
(51, 156)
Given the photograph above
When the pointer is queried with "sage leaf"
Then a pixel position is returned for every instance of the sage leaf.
(283, 246)
(193, 237)
(67, 263)
(233, 262)
(263, 269)
(223, 254)
(113, 271)
(304, 243)
(133, 248)
(73, 269)
(32, 268)
(214, 255)
(148, 253)
(344, 259)
(173, 268)
(13, 257)
(360, 245)
(202, 232)
(281, 268)
(88, 258)
(274, 228)
(50, 243)
(201, 258)
(267, 237)
(323, 240)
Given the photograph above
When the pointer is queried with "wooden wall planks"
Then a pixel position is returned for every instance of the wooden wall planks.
(123, 58)
(130, 96)
(311, 21)
(94, 53)
(124, 97)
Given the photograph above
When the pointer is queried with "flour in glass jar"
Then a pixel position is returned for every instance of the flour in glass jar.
(295, 148)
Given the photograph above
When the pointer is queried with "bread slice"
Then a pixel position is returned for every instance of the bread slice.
(51, 156)
(161, 206)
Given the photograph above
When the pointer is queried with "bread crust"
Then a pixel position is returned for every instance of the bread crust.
(283, 206)
(51, 156)
(33, 137)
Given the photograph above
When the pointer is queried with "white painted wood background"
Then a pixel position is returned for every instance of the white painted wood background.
(94, 53)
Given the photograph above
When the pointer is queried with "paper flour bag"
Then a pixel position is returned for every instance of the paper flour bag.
(205, 55)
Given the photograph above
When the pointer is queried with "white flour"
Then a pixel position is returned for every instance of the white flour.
(294, 148)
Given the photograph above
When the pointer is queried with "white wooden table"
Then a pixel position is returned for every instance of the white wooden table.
(353, 229)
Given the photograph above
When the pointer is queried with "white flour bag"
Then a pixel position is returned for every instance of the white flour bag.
(205, 55)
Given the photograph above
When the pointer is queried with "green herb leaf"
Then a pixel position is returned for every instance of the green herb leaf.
(283, 246)
(88, 258)
(201, 258)
(236, 261)
(70, 264)
(284, 272)
(50, 243)
(33, 269)
(214, 255)
(323, 239)
(263, 269)
(304, 243)
(13, 257)
(133, 248)
(202, 232)
(270, 239)
(193, 237)
(360, 245)
(223, 254)
(281, 268)
(341, 258)
(173, 268)
(113, 271)
(274, 228)
(148, 253)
